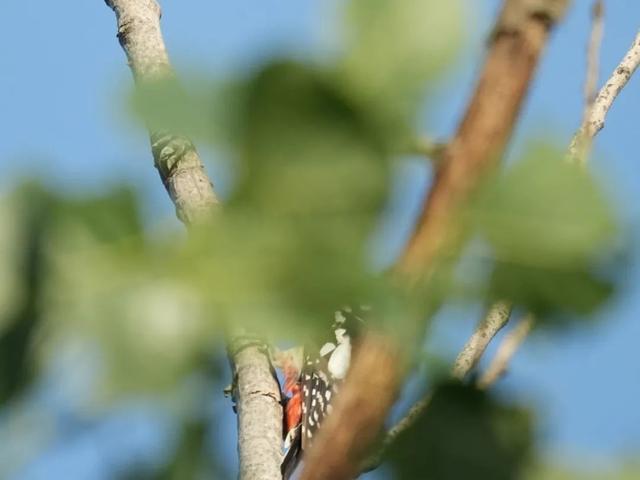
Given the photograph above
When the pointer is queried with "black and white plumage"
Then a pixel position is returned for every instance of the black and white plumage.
(322, 373)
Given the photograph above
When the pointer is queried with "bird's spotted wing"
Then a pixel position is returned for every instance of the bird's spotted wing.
(318, 389)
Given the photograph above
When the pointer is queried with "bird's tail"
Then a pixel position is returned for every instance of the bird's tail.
(293, 455)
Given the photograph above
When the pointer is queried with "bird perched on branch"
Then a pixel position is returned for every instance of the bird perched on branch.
(311, 381)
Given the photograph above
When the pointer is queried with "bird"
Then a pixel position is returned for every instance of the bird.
(312, 380)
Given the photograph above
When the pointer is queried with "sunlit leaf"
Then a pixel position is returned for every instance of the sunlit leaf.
(393, 47)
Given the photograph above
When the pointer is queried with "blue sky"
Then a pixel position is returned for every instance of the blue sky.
(63, 68)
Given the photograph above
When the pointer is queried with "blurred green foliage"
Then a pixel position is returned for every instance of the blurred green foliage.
(550, 227)
(25, 312)
(392, 51)
(313, 146)
(625, 470)
(464, 433)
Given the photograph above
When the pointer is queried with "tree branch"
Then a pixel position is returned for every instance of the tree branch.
(593, 56)
(180, 167)
(507, 349)
(580, 145)
(607, 95)
(515, 47)
(494, 320)
(429, 148)
(596, 109)
(256, 390)
(496, 317)
(516, 44)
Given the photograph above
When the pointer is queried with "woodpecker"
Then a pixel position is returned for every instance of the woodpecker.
(312, 386)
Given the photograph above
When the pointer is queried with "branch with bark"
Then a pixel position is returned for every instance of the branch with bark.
(595, 120)
(256, 389)
(258, 399)
(175, 156)
(506, 351)
(497, 316)
(580, 145)
(517, 41)
(516, 44)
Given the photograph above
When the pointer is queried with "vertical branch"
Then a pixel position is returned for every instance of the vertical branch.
(259, 408)
(593, 55)
(257, 392)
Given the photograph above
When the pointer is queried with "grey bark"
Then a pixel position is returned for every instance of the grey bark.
(594, 122)
(180, 167)
(506, 351)
(496, 317)
(259, 407)
(256, 391)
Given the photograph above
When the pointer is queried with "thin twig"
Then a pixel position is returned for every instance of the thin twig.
(429, 148)
(373, 461)
(593, 56)
(508, 347)
(496, 317)
(607, 95)
(580, 146)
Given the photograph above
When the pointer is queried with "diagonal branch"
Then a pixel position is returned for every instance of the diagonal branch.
(507, 349)
(518, 39)
(605, 98)
(487, 328)
(496, 317)
(257, 392)
(494, 320)
(515, 47)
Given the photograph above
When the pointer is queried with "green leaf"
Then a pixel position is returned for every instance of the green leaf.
(109, 217)
(549, 226)
(394, 47)
(464, 433)
(20, 324)
(545, 211)
(306, 148)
